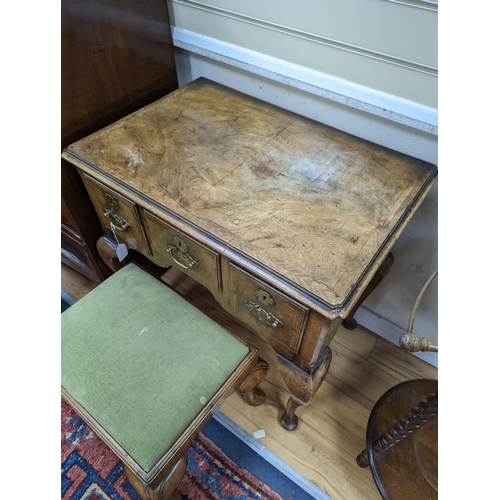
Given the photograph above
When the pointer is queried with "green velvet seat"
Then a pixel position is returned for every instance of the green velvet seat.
(143, 362)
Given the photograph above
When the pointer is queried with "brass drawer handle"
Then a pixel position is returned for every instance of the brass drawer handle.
(119, 222)
(180, 253)
(265, 317)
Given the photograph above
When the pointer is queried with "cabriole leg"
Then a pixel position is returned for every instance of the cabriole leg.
(106, 248)
(249, 390)
(303, 386)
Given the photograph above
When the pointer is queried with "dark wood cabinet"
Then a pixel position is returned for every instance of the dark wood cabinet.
(116, 57)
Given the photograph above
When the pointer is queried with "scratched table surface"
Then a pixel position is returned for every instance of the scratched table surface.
(316, 205)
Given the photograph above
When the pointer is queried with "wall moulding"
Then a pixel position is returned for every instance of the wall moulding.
(420, 4)
(386, 58)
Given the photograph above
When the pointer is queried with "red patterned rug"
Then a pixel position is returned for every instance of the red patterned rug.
(90, 471)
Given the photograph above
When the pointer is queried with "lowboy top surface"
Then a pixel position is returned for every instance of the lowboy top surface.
(310, 202)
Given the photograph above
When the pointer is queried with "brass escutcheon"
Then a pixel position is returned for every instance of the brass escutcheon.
(112, 203)
(119, 222)
(261, 315)
(265, 298)
(180, 253)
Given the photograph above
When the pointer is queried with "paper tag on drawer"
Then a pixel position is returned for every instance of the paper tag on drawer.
(121, 251)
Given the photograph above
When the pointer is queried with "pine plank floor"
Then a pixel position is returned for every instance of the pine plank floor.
(331, 430)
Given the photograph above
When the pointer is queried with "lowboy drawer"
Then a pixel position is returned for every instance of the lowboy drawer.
(276, 318)
(112, 207)
(172, 247)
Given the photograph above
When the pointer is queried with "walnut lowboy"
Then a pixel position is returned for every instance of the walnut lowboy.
(289, 223)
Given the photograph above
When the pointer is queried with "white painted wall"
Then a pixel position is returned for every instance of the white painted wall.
(389, 119)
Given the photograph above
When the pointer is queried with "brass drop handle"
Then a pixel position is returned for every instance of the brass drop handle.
(259, 313)
(180, 254)
(265, 317)
(119, 222)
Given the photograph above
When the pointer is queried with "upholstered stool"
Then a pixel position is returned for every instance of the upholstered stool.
(145, 369)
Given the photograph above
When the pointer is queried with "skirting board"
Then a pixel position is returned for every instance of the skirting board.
(390, 107)
(270, 457)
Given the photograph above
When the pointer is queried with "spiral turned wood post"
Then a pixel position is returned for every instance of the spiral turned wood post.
(425, 411)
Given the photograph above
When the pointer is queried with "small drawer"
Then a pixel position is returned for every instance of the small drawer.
(113, 207)
(278, 319)
(171, 247)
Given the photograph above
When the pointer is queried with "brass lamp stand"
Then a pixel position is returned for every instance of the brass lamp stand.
(409, 340)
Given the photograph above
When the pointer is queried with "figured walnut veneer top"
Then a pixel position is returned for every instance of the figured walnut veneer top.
(310, 202)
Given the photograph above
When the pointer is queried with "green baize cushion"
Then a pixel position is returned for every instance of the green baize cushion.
(143, 361)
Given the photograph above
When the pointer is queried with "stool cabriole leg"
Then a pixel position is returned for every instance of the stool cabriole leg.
(249, 390)
(166, 490)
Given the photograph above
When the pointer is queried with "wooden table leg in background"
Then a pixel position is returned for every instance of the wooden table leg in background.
(349, 322)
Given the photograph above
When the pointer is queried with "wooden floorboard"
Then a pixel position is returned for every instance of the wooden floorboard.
(331, 430)
(399, 363)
